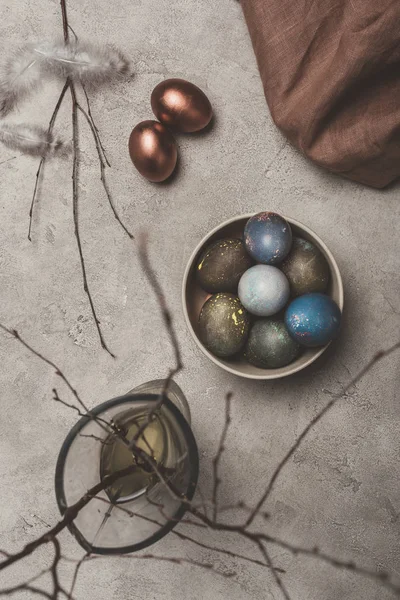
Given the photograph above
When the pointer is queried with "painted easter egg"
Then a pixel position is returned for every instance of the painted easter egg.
(306, 268)
(221, 266)
(153, 150)
(223, 325)
(268, 238)
(313, 319)
(270, 346)
(263, 290)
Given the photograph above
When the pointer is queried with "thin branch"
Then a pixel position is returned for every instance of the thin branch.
(76, 573)
(274, 570)
(98, 439)
(26, 588)
(8, 160)
(69, 516)
(43, 159)
(173, 560)
(75, 199)
(157, 289)
(54, 566)
(375, 359)
(63, 4)
(169, 325)
(57, 398)
(256, 537)
(203, 504)
(103, 169)
(49, 362)
(89, 110)
(384, 577)
(107, 426)
(73, 32)
(188, 538)
(25, 584)
(218, 455)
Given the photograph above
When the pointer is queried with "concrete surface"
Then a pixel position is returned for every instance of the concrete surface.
(341, 491)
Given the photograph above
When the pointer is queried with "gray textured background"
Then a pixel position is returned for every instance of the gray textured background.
(342, 489)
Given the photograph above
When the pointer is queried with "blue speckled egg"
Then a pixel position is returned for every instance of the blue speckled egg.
(313, 319)
(263, 290)
(268, 238)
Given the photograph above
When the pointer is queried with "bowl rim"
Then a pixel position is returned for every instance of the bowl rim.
(290, 370)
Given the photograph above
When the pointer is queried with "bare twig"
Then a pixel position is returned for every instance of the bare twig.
(188, 538)
(162, 303)
(49, 362)
(43, 159)
(107, 426)
(23, 587)
(64, 15)
(274, 570)
(89, 110)
(383, 576)
(375, 359)
(218, 455)
(174, 560)
(97, 439)
(169, 326)
(75, 200)
(8, 160)
(76, 573)
(100, 152)
(69, 516)
(53, 568)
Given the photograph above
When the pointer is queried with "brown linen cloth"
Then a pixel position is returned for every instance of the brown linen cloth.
(331, 75)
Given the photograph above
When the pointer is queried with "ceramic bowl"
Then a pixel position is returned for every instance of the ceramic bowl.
(193, 298)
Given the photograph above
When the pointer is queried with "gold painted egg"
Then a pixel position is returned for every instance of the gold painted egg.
(222, 264)
(223, 325)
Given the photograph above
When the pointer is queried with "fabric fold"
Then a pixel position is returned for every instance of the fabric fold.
(331, 76)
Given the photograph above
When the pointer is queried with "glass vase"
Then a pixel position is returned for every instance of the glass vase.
(136, 510)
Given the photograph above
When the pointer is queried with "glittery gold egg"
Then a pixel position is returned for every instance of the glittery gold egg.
(222, 264)
(223, 325)
(181, 105)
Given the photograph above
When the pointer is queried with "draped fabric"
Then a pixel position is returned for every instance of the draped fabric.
(331, 76)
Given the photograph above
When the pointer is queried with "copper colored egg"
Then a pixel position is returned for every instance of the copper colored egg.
(181, 105)
(153, 150)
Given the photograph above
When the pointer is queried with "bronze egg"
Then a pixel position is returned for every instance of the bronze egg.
(181, 105)
(153, 150)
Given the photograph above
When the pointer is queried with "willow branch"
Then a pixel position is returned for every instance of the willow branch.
(187, 538)
(274, 570)
(63, 4)
(89, 111)
(375, 359)
(75, 204)
(26, 588)
(69, 516)
(174, 560)
(218, 455)
(76, 573)
(100, 152)
(49, 362)
(43, 159)
(169, 326)
(161, 300)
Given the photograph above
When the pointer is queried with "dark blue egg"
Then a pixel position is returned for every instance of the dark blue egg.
(268, 238)
(313, 319)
